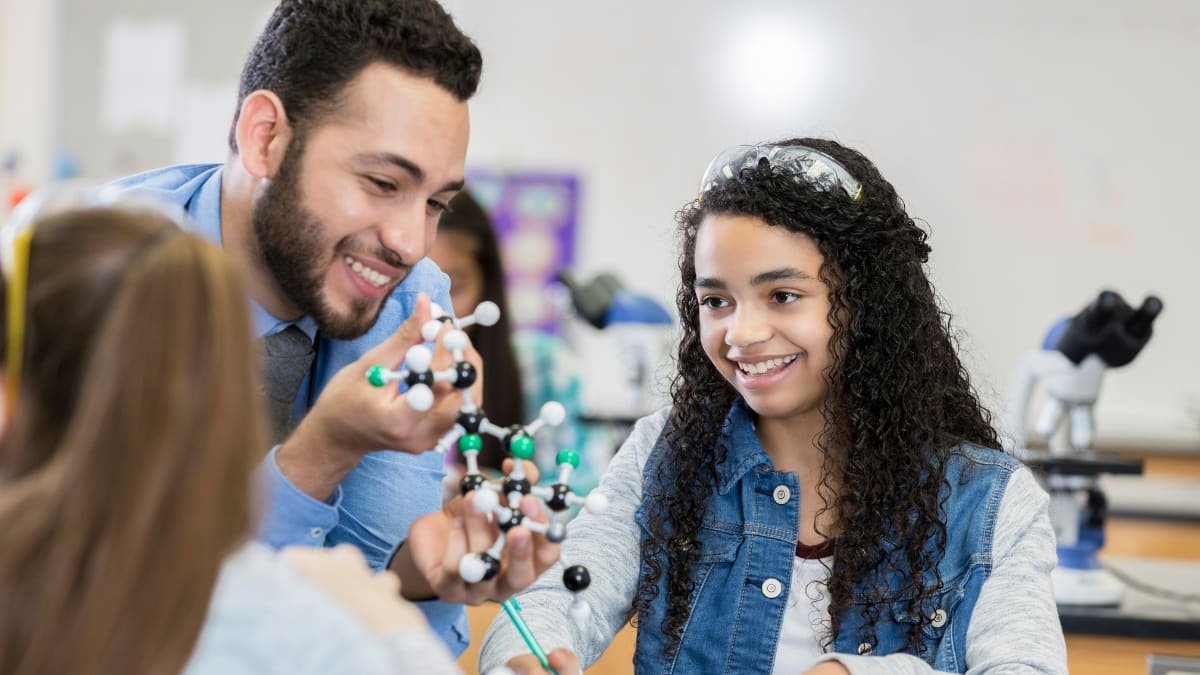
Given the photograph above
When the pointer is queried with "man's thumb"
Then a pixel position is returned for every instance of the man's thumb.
(391, 351)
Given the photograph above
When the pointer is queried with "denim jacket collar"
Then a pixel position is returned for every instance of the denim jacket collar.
(743, 451)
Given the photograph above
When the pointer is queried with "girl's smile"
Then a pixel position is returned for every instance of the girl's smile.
(764, 313)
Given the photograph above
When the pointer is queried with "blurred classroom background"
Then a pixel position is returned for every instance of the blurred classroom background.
(1050, 147)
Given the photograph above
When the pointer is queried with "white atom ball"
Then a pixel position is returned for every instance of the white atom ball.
(418, 358)
(431, 329)
(579, 612)
(456, 340)
(472, 568)
(596, 503)
(487, 313)
(484, 501)
(553, 413)
(420, 397)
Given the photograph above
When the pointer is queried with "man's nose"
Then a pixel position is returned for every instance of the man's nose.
(404, 234)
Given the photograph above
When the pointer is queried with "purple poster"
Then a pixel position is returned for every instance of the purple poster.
(535, 216)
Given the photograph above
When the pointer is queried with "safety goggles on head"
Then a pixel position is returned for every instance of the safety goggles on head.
(815, 167)
(16, 240)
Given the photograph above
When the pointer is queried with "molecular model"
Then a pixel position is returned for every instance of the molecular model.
(500, 498)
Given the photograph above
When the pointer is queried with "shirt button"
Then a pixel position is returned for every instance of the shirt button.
(772, 588)
(782, 494)
(939, 618)
(316, 532)
(865, 648)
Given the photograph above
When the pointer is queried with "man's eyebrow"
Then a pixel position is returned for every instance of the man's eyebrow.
(453, 186)
(392, 159)
(408, 166)
(781, 274)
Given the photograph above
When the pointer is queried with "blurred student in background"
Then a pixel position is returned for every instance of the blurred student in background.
(525, 368)
(130, 428)
(467, 251)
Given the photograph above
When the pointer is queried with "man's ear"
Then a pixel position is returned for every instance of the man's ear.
(263, 134)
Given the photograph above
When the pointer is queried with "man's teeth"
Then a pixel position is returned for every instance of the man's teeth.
(763, 366)
(374, 278)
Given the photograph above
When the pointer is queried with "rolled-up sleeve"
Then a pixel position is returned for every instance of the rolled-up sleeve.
(290, 516)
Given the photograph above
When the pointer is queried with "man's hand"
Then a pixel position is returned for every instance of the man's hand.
(428, 561)
(562, 660)
(352, 417)
(342, 573)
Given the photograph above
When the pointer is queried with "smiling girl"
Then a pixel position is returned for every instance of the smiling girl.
(824, 495)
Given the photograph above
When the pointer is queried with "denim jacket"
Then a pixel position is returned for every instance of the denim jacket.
(748, 538)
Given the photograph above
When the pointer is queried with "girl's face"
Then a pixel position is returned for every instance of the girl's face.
(454, 252)
(764, 313)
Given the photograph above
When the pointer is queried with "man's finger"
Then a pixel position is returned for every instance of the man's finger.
(545, 552)
(480, 531)
(532, 474)
(520, 573)
(391, 351)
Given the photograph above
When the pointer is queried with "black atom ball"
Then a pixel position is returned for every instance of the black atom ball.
(470, 483)
(576, 578)
(465, 374)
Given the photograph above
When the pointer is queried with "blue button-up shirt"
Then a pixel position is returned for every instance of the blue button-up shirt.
(387, 491)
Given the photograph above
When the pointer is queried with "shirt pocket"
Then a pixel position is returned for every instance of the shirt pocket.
(937, 615)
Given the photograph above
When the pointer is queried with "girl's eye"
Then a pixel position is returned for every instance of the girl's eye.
(713, 302)
(784, 297)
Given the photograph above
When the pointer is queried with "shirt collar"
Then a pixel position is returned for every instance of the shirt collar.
(743, 449)
(204, 219)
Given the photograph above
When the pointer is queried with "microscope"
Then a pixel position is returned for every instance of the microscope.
(1070, 367)
(626, 337)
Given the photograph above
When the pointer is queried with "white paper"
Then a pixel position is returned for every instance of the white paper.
(141, 74)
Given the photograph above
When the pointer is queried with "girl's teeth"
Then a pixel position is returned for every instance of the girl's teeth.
(764, 366)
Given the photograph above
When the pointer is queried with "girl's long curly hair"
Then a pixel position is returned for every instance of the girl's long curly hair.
(899, 398)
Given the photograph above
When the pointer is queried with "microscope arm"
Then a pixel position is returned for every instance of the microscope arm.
(1071, 391)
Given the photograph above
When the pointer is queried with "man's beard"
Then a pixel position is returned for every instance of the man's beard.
(288, 237)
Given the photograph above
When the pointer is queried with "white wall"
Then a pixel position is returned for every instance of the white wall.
(1051, 147)
(27, 62)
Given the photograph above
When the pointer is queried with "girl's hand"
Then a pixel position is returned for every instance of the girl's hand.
(562, 660)
(827, 668)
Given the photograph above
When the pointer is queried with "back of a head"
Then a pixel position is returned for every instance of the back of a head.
(311, 49)
(129, 451)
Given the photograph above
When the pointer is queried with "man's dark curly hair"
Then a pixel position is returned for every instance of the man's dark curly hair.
(311, 49)
(899, 397)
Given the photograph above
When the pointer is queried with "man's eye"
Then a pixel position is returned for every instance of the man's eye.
(382, 185)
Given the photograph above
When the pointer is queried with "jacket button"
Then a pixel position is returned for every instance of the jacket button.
(772, 588)
(939, 618)
(865, 648)
(782, 494)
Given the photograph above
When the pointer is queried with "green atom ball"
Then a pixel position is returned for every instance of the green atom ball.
(375, 376)
(470, 443)
(568, 456)
(521, 447)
